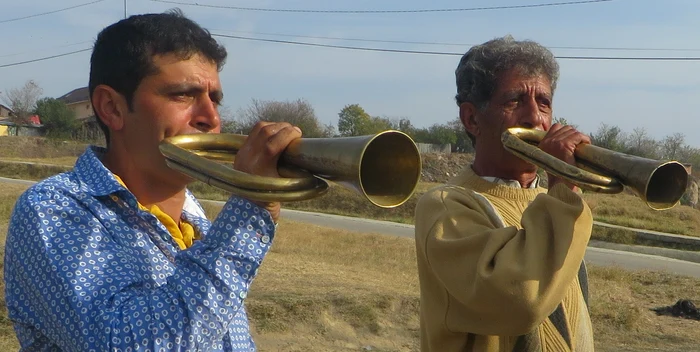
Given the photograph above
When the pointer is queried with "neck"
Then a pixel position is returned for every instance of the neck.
(484, 166)
(148, 190)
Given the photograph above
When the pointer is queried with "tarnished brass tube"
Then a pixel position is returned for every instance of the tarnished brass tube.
(385, 167)
(660, 184)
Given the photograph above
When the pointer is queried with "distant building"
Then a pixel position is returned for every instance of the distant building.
(33, 128)
(5, 112)
(78, 100)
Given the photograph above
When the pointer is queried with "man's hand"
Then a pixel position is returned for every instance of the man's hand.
(261, 152)
(561, 142)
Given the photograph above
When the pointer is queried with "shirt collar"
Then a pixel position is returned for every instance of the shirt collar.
(511, 183)
(98, 180)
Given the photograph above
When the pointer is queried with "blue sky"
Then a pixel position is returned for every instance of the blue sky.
(661, 96)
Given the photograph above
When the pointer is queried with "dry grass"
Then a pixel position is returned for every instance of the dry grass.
(330, 290)
(38, 148)
(8, 196)
(621, 311)
(30, 171)
(628, 210)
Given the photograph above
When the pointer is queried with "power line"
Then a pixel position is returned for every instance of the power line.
(44, 58)
(453, 44)
(50, 12)
(53, 47)
(384, 11)
(450, 53)
(442, 53)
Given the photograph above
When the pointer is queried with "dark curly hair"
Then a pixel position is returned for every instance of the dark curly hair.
(123, 52)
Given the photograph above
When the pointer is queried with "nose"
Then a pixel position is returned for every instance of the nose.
(206, 116)
(531, 116)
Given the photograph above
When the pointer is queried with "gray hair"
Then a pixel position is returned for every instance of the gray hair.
(479, 68)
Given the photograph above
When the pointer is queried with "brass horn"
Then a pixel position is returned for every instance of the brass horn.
(385, 167)
(660, 184)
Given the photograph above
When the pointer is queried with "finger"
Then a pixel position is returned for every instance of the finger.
(279, 141)
(585, 139)
(556, 129)
(272, 127)
(559, 135)
(566, 135)
(258, 127)
(576, 137)
(560, 129)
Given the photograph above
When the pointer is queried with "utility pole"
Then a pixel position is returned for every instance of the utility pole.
(124, 8)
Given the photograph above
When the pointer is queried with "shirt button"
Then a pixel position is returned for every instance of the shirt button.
(265, 239)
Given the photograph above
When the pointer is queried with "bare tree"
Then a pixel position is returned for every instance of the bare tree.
(672, 146)
(225, 112)
(609, 137)
(299, 113)
(641, 144)
(22, 100)
(563, 121)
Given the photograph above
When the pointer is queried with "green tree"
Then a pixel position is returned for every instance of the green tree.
(353, 120)
(404, 125)
(442, 134)
(462, 144)
(58, 120)
(375, 125)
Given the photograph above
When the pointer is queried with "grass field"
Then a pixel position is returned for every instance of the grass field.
(327, 290)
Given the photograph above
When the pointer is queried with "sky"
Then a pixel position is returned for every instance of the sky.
(662, 97)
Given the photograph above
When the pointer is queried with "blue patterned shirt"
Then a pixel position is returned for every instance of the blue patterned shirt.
(86, 270)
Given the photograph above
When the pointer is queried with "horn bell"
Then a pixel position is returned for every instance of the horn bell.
(659, 183)
(385, 167)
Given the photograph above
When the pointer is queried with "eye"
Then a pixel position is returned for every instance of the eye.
(180, 95)
(512, 102)
(215, 100)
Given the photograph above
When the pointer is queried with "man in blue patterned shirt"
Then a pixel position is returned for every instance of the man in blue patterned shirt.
(117, 254)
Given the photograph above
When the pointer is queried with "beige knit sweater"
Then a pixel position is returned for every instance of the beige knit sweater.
(501, 268)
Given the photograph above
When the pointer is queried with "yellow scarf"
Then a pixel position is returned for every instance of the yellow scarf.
(182, 232)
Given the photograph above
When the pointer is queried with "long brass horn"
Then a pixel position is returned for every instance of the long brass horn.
(385, 167)
(660, 184)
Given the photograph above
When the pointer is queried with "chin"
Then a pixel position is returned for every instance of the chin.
(179, 177)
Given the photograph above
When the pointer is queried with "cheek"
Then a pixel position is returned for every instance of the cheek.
(169, 119)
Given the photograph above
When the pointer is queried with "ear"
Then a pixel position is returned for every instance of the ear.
(467, 114)
(110, 107)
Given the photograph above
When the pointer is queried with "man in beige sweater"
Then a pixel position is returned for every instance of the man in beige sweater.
(500, 258)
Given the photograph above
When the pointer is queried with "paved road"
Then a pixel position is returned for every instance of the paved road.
(596, 256)
(12, 180)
